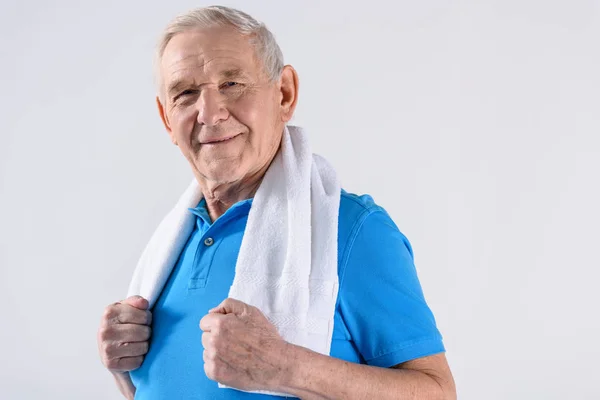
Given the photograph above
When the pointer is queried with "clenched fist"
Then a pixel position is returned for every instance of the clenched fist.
(123, 337)
(242, 348)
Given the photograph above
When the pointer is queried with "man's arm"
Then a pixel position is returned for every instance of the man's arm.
(313, 376)
(125, 384)
(242, 349)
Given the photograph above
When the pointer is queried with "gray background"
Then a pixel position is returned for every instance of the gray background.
(474, 123)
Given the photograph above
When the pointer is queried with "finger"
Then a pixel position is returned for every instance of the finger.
(128, 349)
(126, 363)
(131, 333)
(120, 313)
(230, 306)
(209, 356)
(210, 322)
(130, 315)
(137, 301)
(206, 339)
(217, 310)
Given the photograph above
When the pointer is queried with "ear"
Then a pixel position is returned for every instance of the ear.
(165, 120)
(289, 86)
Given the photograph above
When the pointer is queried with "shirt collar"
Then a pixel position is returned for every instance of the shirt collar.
(201, 211)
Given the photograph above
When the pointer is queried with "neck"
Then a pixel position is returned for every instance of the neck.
(219, 199)
(220, 196)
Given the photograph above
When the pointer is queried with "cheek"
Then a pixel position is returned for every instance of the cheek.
(246, 112)
(182, 121)
(259, 114)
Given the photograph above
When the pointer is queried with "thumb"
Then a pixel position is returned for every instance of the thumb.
(137, 302)
(230, 306)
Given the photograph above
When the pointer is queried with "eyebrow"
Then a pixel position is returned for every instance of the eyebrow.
(228, 74)
(234, 73)
(176, 86)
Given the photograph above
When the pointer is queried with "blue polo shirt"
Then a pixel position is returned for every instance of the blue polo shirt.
(381, 316)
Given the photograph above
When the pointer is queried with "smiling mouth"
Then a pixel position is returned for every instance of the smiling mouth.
(221, 140)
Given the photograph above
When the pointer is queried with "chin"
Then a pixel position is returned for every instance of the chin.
(223, 174)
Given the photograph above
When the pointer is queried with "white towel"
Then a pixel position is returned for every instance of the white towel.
(287, 265)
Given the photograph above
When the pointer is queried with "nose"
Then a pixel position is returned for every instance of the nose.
(211, 107)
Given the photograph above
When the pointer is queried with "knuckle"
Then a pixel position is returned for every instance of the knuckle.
(216, 331)
(104, 333)
(222, 325)
(218, 324)
(108, 350)
(110, 312)
(216, 341)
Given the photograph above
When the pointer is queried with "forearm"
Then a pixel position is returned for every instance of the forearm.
(313, 376)
(124, 384)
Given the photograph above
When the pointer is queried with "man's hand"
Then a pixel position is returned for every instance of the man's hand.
(242, 349)
(124, 333)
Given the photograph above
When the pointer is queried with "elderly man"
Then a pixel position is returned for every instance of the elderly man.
(225, 98)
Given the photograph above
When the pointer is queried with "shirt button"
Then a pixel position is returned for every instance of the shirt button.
(209, 241)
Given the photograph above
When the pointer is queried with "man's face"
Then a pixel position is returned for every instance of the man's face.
(218, 104)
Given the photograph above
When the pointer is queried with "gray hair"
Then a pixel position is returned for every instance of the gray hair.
(266, 47)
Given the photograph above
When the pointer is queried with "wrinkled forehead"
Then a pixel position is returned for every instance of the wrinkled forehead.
(209, 52)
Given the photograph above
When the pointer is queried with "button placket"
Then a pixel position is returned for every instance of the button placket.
(205, 253)
(202, 263)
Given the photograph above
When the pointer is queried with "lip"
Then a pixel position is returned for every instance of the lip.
(219, 140)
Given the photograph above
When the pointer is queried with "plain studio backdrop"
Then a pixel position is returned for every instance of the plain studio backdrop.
(476, 124)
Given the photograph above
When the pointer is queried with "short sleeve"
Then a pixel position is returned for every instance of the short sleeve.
(381, 300)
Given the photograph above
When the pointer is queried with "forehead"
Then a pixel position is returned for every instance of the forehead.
(207, 52)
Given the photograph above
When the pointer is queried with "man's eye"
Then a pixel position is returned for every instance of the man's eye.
(229, 84)
(185, 93)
